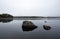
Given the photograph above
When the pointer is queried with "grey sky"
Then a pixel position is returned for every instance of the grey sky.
(30, 7)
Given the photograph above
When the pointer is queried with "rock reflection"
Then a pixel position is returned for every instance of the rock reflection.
(6, 20)
(28, 26)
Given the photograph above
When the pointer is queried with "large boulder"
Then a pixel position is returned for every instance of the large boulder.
(28, 26)
(46, 27)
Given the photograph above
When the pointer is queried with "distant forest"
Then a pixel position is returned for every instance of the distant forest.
(11, 16)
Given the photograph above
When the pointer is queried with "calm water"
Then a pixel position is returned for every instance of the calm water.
(13, 29)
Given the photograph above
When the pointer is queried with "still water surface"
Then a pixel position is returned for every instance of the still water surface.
(13, 29)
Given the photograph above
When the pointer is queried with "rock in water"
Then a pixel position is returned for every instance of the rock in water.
(28, 26)
(46, 27)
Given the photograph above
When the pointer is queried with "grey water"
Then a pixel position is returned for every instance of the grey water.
(13, 29)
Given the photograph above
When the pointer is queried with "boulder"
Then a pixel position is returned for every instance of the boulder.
(46, 27)
(28, 26)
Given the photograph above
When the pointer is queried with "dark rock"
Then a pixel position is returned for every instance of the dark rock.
(28, 26)
(46, 27)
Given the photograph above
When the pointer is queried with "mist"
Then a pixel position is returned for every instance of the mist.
(30, 7)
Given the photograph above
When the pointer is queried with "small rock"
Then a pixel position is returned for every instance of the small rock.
(46, 27)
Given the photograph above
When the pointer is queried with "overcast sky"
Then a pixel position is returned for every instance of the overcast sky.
(30, 7)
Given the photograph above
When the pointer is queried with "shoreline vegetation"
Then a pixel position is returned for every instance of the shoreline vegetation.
(10, 16)
(33, 17)
(26, 17)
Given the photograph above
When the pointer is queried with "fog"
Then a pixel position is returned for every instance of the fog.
(30, 7)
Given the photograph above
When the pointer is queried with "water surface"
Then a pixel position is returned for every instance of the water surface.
(13, 29)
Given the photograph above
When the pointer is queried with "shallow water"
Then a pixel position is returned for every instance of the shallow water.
(13, 29)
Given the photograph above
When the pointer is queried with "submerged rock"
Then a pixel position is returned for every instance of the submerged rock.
(28, 26)
(46, 27)
(45, 21)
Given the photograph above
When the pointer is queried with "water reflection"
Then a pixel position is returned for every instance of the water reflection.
(18, 30)
(28, 26)
(6, 20)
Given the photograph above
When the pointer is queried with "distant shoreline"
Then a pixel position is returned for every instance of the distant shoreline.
(33, 17)
(11, 16)
(29, 17)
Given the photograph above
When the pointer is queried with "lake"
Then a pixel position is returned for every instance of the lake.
(12, 29)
